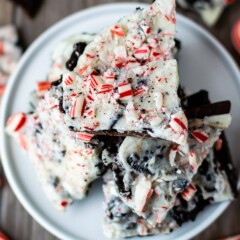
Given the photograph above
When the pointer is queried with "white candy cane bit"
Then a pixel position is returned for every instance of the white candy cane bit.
(189, 192)
(109, 76)
(199, 136)
(146, 29)
(120, 53)
(139, 92)
(43, 87)
(16, 121)
(117, 30)
(78, 107)
(157, 190)
(83, 136)
(152, 42)
(159, 100)
(68, 78)
(179, 122)
(142, 52)
(141, 193)
(125, 91)
(95, 81)
(105, 88)
(193, 160)
(172, 155)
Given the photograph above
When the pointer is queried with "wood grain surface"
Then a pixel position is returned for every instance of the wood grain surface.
(14, 220)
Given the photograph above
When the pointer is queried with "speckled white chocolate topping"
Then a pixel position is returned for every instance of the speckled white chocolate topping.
(141, 99)
(210, 10)
(65, 166)
(62, 53)
(145, 35)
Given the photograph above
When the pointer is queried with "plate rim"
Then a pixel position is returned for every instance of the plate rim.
(25, 202)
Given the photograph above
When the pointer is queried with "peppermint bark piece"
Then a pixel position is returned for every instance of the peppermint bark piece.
(211, 183)
(144, 36)
(149, 174)
(140, 100)
(209, 10)
(65, 166)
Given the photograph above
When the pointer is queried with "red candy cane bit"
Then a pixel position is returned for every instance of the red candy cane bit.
(64, 203)
(156, 54)
(228, 1)
(42, 87)
(3, 236)
(82, 70)
(1, 47)
(83, 136)
(78, 107)
(108, 76)
(105, 88)
(170, 19)
(189, 192)
(95, 81)
(180, 123)
(2, 88)
(68, 79)
(117, 30)
(138, 92)
(90, 96)
(146, 29)
(89, 55)
(219, 144)
(125, 91)
(22, 141)
(200, 136)
(16, 121)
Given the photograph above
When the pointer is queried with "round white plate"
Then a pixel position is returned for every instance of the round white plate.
(203, 64)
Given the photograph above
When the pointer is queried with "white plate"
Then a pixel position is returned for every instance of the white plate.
(204, 64)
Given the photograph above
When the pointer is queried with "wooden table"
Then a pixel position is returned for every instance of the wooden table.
(15, 221)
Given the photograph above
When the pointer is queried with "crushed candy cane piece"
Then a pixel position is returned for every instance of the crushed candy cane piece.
(43, 87)
(189, 192)
(139, 92)
(199, 136)
(105, 88)
(68, 79)
(78, 107)
(125, 91)
(95, 81)
(179, 122)
(172, 155)
(142, 52)
(84, 136)
(117, 30)
(108, 76)
(192, 160)
(146, 29)
(16, 121)
(1, 48)
(218, 145)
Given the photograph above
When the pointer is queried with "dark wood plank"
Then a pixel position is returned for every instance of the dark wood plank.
(13, 218)
(6, 9)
